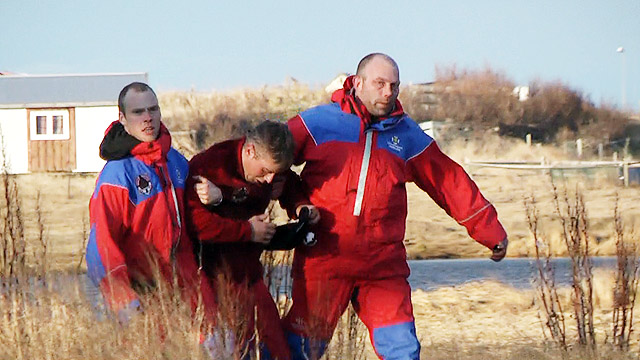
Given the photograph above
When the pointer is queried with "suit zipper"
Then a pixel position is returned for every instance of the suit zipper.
(167, 181)
(364, 169)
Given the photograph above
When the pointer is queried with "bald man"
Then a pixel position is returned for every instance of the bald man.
(360, 151)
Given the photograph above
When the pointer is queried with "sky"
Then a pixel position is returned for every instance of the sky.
(206, 45)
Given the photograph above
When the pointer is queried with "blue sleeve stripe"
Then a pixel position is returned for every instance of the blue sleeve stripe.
(95, 266)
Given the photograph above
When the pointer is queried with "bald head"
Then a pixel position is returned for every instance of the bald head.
(379, 56)
(377, 84)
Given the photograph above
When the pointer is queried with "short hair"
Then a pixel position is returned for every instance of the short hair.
(367, 59)
(136, 86)
(276, 138)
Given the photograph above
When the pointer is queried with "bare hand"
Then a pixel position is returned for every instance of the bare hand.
(207, 192)
(500, 250)
(261, 230)
(314, 213)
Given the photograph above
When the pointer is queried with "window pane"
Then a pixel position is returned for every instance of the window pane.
(41, 125)
(57, 124)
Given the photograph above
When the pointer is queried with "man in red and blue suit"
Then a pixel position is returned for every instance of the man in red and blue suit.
(137, 211)
(360, 151)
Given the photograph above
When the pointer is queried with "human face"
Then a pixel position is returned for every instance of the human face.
(378, 87)
(258, 166)
(142, 115)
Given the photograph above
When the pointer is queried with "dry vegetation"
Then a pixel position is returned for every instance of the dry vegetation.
(552, 113)
(201, 119)
(487, 320)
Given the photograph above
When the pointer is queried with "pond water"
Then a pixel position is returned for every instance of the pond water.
(519, 273)
(425, 274)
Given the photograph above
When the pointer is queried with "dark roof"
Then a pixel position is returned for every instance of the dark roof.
(20, 91)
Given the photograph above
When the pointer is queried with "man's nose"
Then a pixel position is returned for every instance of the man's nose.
(269, 178)
(146, 115)
(387, 90)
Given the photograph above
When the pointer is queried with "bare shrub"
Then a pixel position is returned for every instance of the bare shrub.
(478, 98)
(13, 242)
(553, 112)
(546, 288)
(573, 217)
(626, 283)
(349, 339)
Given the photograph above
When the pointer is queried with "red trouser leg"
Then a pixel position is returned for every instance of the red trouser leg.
(384, 306)
(314, 314)
(268, 323)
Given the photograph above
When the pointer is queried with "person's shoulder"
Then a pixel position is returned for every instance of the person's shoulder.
(176, 156)
(323, 109)
(412, 128)
(117, 172)
(407, 138)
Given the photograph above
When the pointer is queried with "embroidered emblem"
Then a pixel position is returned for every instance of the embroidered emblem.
(143, 183)
(394, 143)
(239, 195)
(179, 177)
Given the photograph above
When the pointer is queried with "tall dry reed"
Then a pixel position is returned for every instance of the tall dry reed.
(626, 282)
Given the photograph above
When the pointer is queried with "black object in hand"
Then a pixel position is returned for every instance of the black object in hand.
(288, 236)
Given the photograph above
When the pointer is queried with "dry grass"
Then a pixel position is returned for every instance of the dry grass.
(43, 322)
(479, 320)
(201, 119)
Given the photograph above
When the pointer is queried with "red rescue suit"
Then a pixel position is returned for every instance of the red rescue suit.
(355, 173)
(137, 223)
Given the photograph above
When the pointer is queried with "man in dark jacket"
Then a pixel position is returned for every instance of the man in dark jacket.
(360, 151)
(137, 211)
(234, 231)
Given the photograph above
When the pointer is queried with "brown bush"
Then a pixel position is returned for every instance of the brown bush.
(484, 99)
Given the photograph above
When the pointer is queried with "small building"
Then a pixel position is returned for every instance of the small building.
(432, 128)
(336, 83)
(55, 123)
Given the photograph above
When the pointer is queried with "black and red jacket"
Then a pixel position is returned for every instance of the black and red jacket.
(224, 230)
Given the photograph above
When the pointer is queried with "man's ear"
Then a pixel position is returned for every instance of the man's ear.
(357, 82)
(250, 148)
(122, 119)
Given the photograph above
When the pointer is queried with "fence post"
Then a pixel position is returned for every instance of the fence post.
(528, 139)
(626, 149)
(579, 147)
(600, 151)
(625, 173)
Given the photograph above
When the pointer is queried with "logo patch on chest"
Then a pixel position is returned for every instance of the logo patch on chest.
(394, 144)
(240, 195)
(143, 183)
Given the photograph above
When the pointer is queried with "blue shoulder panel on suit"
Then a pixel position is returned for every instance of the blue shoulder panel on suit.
(329, 123)
(139, 179)
(406, 139)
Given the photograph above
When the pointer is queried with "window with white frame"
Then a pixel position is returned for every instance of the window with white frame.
(49, 124)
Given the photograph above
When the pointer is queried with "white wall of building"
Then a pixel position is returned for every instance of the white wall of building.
(91, 122)
(13, 123)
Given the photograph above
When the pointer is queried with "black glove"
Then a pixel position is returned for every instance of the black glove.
(288, 236)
